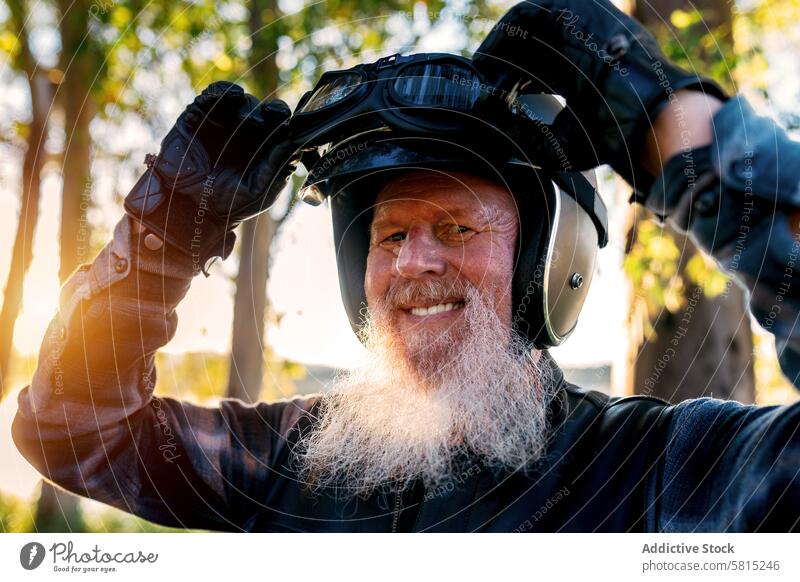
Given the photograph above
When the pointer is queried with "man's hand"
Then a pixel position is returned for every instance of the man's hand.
(225, 160)
(608, 67)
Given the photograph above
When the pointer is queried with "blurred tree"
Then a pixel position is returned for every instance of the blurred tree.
(57, 510)
(250, 300)
(15, 515)
(690, 323)
(34, 134)
(80, 65)
(96, 43)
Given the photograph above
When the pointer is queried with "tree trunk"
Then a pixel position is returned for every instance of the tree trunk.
(249, 309)
(707, 348)
(41, 92)
(250, 301)
(78, 65)
(58, 510)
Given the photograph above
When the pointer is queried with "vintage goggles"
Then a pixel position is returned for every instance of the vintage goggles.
(411, 93)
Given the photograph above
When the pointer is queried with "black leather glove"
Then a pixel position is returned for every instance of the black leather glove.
(225, 160)
(608, 67)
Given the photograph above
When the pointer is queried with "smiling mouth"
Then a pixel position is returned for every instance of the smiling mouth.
(434, 309)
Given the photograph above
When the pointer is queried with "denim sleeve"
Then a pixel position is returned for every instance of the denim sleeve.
(730, 467)
(739, 200)
(89, 421)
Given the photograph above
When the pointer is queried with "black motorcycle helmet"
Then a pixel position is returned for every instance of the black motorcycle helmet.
(562, 219)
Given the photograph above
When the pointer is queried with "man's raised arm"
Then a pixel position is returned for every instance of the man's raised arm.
(89, 421)
(733, 184)
(732, 181)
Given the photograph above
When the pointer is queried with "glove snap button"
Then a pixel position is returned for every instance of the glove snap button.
(706, 202)
(121, 265)
(617, 46)
(153, 242)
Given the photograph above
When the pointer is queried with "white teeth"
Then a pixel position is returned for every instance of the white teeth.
(433, 309)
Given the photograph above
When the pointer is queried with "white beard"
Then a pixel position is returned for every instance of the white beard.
(406, 415)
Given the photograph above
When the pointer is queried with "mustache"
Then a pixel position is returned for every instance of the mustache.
(403, 292)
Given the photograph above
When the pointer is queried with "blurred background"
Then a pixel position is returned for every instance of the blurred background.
(87, 87)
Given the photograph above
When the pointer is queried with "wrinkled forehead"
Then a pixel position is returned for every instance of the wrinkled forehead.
(426, 191)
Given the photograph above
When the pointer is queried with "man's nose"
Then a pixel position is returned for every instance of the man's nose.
(420, 254)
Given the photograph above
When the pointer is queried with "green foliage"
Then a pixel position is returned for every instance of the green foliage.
(703, 272)
(202, 376)
(16, 515)
(694, 43)
(772, 387)
(759, 24)
(198, 376)
(103, 519)
(214, 41)
(652, 266)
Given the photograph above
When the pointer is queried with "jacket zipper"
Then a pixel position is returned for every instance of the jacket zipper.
(397, 507)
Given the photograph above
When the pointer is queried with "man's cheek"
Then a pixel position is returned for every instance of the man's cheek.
(372, 279)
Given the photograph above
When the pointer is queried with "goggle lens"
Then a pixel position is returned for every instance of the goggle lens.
(332, 92)
(438, 85)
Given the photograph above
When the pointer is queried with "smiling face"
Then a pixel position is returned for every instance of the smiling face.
(443, 371)
(434, 239)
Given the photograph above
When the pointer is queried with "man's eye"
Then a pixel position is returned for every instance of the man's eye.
(458, 229)
(396, 237)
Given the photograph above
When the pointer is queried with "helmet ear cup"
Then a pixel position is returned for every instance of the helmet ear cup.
(569, 264)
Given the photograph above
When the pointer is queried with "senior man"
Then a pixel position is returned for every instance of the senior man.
(459, 420)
